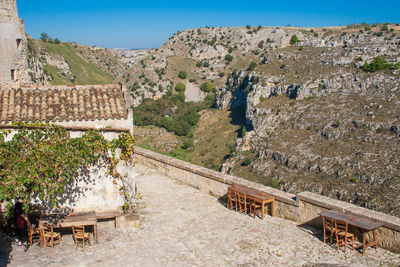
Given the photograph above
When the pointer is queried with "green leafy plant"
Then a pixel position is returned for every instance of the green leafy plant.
(228, 57)
(180, 87)
(207, 87)
(294, 39)
(41, 159)
(379, 63)
(246, 162)
(182, 74)
(252, 66)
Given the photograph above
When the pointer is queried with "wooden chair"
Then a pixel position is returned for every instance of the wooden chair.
(49, 237)
(80, 235)
(342, 236)
(329, 226)
(232, 199)
(242, 201)
(254, 206)
(33, 233)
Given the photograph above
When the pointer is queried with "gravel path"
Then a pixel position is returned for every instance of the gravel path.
(182, 226)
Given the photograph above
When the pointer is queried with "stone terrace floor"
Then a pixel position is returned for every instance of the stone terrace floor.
(182, 226)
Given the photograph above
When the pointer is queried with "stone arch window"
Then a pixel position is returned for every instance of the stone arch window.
(19, 41)
(13, 75)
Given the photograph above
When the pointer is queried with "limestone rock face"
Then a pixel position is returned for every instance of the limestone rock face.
(321, 123)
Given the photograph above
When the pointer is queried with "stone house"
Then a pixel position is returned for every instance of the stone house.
(13, 46)
(77, 109)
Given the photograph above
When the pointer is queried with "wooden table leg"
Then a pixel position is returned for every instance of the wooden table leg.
(273, 208)
(95, 235)
(323, 224)
(364, 242)
(262, 210)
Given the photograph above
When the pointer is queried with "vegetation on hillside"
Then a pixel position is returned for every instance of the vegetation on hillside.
(170, 112)
(83, 71)
(379, 63)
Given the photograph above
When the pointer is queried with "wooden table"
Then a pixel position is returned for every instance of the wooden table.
(258, 197)
(78, 218)
(363, 224)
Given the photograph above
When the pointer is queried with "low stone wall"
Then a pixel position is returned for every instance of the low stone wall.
(302, 208)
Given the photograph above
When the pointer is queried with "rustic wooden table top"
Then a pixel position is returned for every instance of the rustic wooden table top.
(66, 220)
(352, 220)
(252, 192)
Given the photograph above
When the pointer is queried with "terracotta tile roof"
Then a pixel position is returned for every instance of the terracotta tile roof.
(52, 104)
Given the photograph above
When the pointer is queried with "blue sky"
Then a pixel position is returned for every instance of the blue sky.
(148, 24)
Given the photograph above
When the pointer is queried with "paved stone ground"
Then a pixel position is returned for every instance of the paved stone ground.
(183, 227)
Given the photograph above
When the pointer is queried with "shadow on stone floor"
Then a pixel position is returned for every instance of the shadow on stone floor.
(6, 242)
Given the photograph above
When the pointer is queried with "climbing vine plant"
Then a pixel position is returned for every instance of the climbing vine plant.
(41, 161)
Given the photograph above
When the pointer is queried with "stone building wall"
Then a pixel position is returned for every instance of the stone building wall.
(13, 46)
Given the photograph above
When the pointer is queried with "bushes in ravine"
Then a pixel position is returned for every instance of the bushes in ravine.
(171, 112)
(207, 87)
(182, 74)
(180, 87)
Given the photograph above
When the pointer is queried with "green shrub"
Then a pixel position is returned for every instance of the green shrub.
(252, 66)
(182, 74)
(44, 37)
(187, 143)
(336, 124)
(294, 39)
(384, 28)
(378, 63)
(206, 64)
(248, 27)
(354, 180)
(207, 87)
(180, 87)
(228, 57)
(243, 132)
(221, 74)
(246, 162)
(301, 48)
(274, 183)
(262, 98)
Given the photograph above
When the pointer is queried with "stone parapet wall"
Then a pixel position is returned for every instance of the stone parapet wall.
(302, 208)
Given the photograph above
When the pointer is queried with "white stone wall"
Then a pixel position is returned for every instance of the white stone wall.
(96, 191)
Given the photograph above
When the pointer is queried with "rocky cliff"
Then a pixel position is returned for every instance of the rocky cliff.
(319, 122)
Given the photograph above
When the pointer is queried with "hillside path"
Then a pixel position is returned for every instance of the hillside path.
(181, 226)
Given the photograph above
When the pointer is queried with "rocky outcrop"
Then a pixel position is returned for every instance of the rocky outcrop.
(333, 130)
